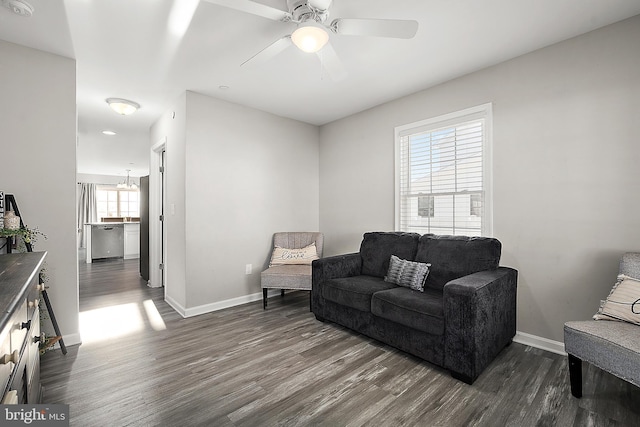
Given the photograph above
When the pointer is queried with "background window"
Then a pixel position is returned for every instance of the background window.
(442, 174)
(476, 205)
(425, 206)
(113, 202)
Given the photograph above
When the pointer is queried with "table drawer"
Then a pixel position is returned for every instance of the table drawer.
(5, 348)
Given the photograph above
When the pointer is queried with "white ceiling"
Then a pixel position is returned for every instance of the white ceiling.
(124, 49)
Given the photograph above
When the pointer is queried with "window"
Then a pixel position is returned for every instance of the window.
(425, 206)
(443, 174)
(476, 205)
(115, 202)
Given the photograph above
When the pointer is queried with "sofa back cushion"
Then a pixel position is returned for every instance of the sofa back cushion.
(452, 257)
(376, 250)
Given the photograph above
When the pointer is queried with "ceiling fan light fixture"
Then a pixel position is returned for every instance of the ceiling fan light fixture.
(310, 37)
(123, 106)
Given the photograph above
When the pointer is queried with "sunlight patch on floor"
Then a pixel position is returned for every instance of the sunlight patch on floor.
(118, 320)
(155, 319)
(110, 322)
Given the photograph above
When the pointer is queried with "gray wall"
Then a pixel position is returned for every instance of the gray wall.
(566, 175)
(38, 134)
(241, 175)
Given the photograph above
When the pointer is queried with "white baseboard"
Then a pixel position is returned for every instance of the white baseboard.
(220, 305)
(175, 305)
(540, 342)
(72, 339)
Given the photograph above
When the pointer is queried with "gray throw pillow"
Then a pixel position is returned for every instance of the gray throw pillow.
(407, 273)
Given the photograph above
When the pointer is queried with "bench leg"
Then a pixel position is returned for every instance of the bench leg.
(575, 375)
(264, 298)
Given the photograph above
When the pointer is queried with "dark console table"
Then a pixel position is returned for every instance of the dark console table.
(20, 327)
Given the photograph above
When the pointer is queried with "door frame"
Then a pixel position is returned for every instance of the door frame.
(157, 239)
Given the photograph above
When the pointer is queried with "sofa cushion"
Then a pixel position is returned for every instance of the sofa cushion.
(405, 273)
(452, 257)
(423, 311)
(354, 292)
(376, 250)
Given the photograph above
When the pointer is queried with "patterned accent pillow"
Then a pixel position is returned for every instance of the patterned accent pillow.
(623, 302)
(407, 273)
(283, 256)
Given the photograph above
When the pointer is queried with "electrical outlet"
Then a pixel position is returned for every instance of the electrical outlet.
(248, 268)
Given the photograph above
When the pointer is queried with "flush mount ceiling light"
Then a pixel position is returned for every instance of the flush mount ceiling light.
(126, 184)
(123, 106)
(310, 37)
(19, 7)
(108, 132)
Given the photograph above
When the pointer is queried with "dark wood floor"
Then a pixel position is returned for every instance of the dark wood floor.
(280, 367)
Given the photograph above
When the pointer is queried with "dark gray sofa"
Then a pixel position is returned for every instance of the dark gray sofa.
(463, 319)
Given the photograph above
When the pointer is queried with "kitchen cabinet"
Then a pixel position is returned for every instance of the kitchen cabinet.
(131, 240)
(112, 240)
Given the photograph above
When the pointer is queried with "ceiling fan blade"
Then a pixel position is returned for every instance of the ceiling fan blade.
(331, 63)
(394, 28)
(320, 4)
(254, 8)
(269, 52)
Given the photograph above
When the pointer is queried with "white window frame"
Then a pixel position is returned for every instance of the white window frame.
(119, 191)
(485, 112)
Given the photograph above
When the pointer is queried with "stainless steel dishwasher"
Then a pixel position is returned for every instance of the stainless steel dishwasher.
(107, 241)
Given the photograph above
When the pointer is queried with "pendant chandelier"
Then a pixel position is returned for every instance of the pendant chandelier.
(127, 184)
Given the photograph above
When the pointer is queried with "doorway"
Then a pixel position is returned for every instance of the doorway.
(157, 197)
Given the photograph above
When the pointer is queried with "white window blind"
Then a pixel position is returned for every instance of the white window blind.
(443, 174)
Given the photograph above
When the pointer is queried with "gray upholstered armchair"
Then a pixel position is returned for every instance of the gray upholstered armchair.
(290, 276)
(610, 345)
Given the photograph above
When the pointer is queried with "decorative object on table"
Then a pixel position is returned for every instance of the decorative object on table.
(11, 221)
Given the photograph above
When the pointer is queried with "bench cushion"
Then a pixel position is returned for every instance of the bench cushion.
(417, 310)
(609, 345)
(354, 292)
(287, 277)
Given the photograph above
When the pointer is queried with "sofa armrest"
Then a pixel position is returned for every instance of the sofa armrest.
(334, 267)
(480, 319)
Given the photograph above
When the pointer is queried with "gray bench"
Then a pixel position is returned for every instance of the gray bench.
(611, 346)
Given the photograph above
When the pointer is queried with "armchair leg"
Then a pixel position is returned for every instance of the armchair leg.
(575, 375)
(264, 298)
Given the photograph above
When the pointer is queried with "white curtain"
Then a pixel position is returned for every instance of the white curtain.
(87, 210)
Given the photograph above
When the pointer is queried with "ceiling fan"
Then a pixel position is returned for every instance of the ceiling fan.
(313, 27)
